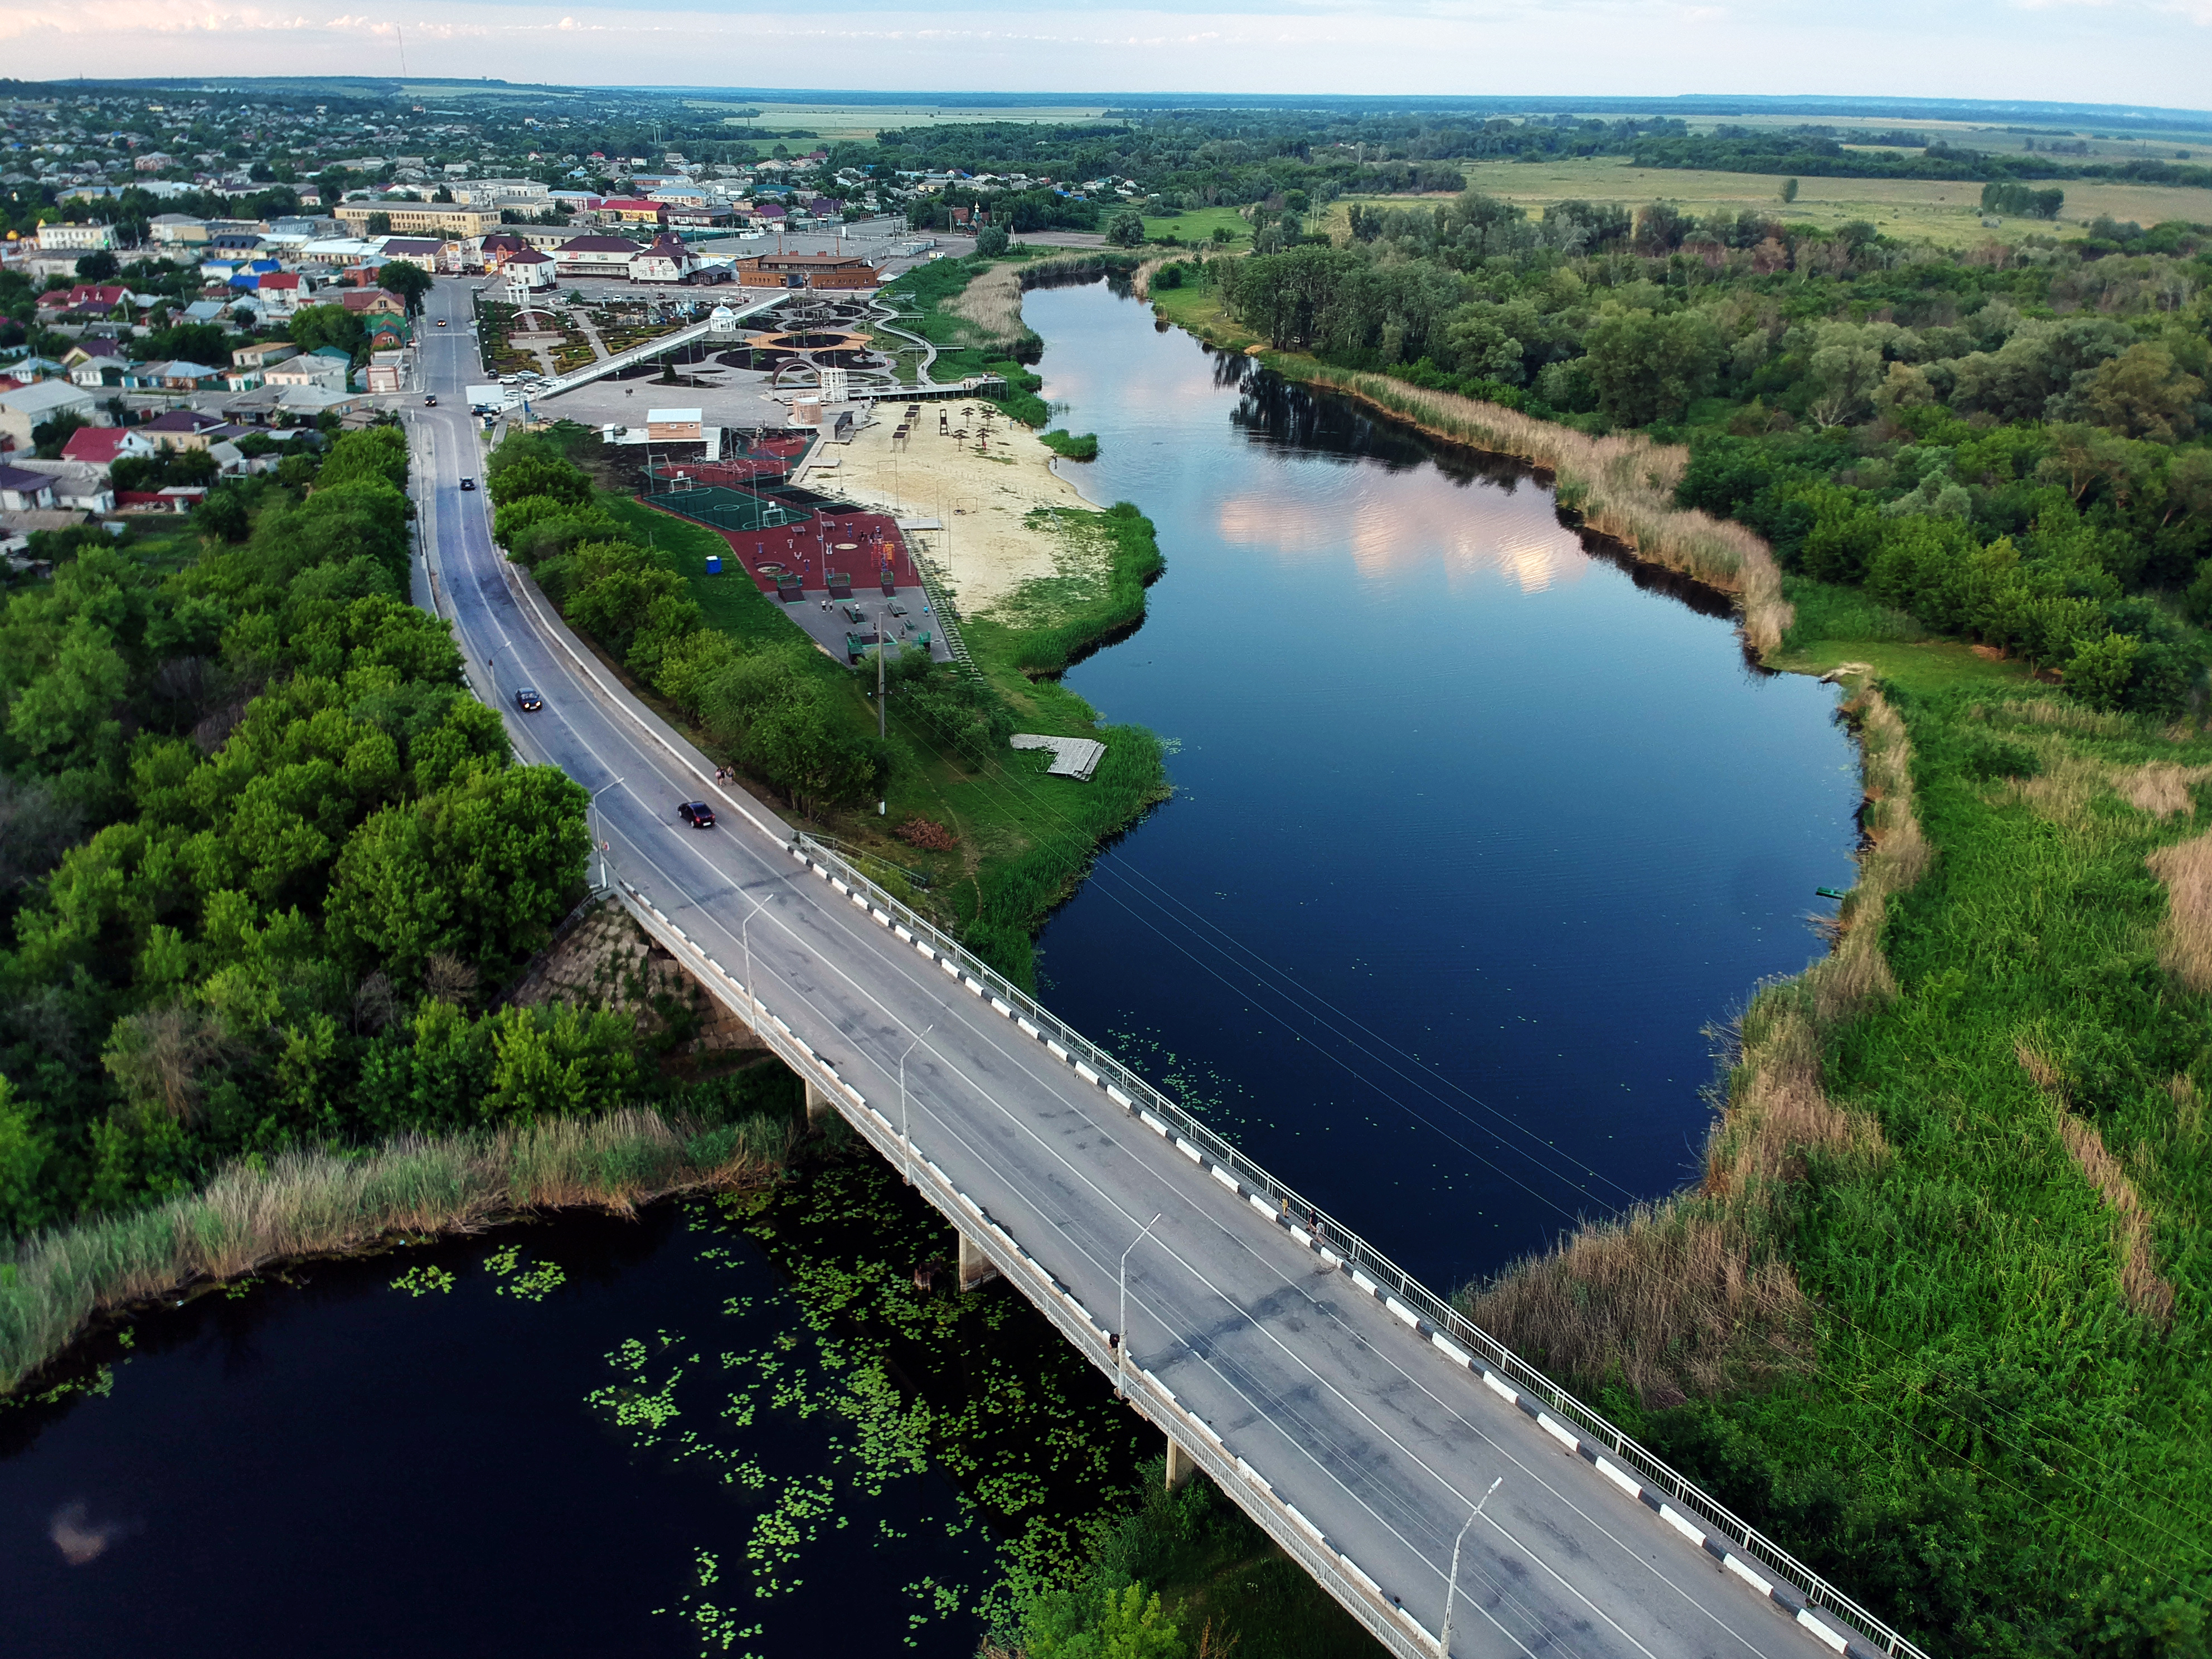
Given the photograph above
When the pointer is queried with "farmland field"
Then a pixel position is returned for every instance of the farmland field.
(1944, 211)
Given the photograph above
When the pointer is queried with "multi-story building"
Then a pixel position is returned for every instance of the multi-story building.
(420, 219)
(75, 238)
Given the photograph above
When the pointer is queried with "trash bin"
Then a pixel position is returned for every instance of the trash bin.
(714, 564)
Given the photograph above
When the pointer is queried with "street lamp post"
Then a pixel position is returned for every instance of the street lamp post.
(906, 1140)
(1122, 1347)
(1451, 1584)
(601, 838)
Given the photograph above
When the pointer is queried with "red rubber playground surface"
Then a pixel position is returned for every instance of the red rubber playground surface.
(860, 545)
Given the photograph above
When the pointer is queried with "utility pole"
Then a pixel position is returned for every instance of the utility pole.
(1451, 1584)
(1121, 1346)
(596, 794)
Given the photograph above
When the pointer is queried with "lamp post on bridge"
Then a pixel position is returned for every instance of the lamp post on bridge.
(596, 794)
(1451, 1584)
(1121, 1346)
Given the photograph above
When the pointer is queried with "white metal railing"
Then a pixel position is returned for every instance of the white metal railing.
(1133, 1093)
(1397, 1630)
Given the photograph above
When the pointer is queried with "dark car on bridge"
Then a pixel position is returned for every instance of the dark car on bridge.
(527, 700)
(698, 814)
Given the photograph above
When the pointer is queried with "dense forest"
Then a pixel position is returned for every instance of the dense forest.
(2006, 445)
(266, 857)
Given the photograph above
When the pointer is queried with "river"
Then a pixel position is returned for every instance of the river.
(1474, 829)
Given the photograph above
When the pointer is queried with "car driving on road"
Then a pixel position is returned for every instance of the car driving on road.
(431, 401)
(527, 700)
(698, 814)
(468, 483)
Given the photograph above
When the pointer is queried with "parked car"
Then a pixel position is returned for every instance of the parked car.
(698, 814)
(468, 483)
(527, 700)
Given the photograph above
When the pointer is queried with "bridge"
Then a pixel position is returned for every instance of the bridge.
(1450, 1496)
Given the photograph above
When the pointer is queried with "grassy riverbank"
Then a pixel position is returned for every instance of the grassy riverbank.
(1936, 1315)
(971, 831)
(309, 1203)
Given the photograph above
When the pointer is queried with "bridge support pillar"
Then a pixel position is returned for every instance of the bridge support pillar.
(1181, 1466)
(817, 1101)
(974, 1266)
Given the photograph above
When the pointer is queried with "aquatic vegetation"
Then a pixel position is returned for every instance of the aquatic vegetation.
(424, 1280)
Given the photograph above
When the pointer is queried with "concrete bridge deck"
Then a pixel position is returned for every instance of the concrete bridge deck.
(1341, 1404)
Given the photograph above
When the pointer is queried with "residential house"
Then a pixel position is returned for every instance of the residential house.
(184, 428)
(179, 376)
(424, 251)
(367, 302)
(713, 216)
(88, 299)
(667, 261)
(385, 371)
(262, 353)
(96, 362)
(326, 367)
(77, 485)
(21, 491)
(30, 406)
(297, 404)
(99, 445)
(278, 292)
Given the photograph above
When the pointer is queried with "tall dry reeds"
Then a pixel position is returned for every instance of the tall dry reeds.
(2147, 1291)
(307, 1204)
(1622, 485)
(1690, 1296)
(991, 307)
(2185, 867)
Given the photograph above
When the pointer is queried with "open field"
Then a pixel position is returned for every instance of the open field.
(1947, 212)
(860, 122)
(1198, 225)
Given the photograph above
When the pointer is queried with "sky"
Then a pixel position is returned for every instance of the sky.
(2133, 52)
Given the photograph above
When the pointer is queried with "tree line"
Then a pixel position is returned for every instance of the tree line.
(2010, 446)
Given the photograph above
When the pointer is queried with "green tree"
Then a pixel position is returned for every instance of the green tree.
(314, 326)
(1646, 367)
(1125, 229)
(98, 266)
(48, 437)
(407, 280)
(24, 1199)
(1789, 189)
(991, 241)
(380, 224)
(1106, 1624)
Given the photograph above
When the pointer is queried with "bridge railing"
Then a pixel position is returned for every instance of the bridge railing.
(1135, 1095)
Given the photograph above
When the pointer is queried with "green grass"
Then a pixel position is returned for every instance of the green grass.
(1071, 445)
(1198, 225)
(2000, 1448)
(1837, 625)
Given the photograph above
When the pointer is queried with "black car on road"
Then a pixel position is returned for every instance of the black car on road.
(468, 483)
(527, 700)
(698, 814)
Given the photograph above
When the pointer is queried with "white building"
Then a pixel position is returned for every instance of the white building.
(75, 238)
(34, 405)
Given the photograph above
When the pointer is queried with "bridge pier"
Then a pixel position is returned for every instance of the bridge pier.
(974, 1266)
(1181, 1466)
(818, 1104)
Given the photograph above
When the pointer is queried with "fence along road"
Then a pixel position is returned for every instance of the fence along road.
(1340, 1403)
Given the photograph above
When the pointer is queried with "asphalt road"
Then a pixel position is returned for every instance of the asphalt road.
(1358, 1422)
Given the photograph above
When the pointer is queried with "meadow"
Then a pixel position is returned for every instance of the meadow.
(1944, 212)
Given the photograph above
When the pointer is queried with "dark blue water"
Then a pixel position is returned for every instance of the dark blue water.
(1474, 829)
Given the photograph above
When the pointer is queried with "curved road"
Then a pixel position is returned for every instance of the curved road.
(1356, 1421)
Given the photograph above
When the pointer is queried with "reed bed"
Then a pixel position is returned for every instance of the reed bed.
(322, 1203)
(1690, 1296)
(991, 307)
(1623, 486)
(2185, 867)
